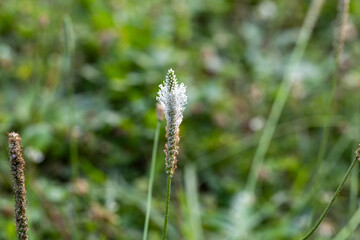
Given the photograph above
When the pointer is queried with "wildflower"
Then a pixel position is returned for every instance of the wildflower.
(172, 98)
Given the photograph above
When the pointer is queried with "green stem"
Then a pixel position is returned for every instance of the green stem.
(151, 179)
(326, 210)
(69, 47)
(167, 207)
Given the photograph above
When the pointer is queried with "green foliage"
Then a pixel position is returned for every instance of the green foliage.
(232, 55)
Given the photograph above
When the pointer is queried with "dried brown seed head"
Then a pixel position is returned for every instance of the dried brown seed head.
(17, 165)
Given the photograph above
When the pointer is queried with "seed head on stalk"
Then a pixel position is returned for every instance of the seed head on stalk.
(17, 165)
(172, 97)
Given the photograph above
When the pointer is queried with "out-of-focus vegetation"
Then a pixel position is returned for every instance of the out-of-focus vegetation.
(88, 127)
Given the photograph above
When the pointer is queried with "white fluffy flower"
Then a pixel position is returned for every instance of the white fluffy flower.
(172, 97)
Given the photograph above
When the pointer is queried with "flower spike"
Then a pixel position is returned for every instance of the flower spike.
(172, 97)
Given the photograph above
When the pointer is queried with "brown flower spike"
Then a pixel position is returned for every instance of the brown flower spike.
(17, 165)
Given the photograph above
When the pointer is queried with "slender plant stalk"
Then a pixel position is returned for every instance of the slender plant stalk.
(283, 93)
(69, 40)
(326, 210)
(17, 165)
(69, 47)
(151, 179)
(167, 207)
(192, 200)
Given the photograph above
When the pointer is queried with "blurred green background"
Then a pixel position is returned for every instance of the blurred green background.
(79, 81)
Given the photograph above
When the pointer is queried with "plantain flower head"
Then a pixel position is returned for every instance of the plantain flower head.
(172, 97)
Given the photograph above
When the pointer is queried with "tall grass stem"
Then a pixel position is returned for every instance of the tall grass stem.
(192, 200)
(69, 48)
(69, 44)
(151, 178)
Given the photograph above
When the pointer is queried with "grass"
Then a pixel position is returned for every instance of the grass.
(151, 178)
(192, 200)
(69, 47)
(238, 60)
